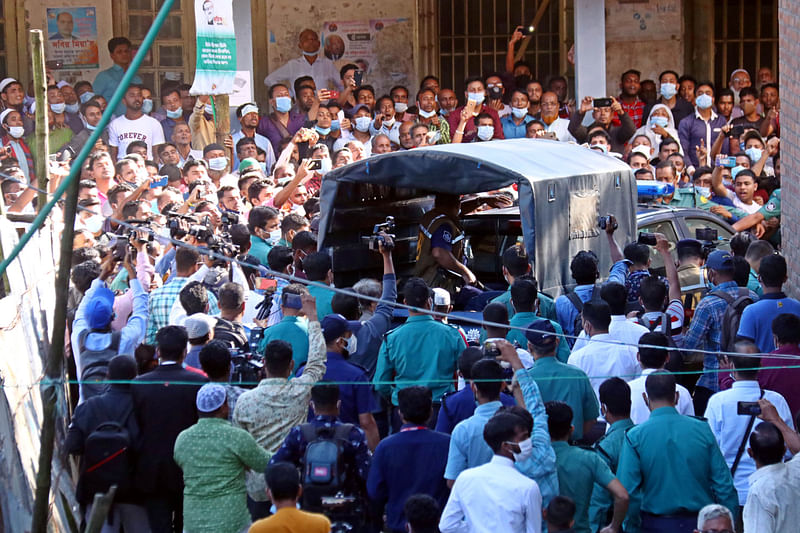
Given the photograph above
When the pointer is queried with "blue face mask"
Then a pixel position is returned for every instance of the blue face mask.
(85, 97)
(668, 90)
(147, 106)
(735, 170)
(519, 112)
(476, 97)
(58, 108)
(659, 121)
(754, 154)
(322, 131)
(73, 108)
(308, 54)
(90, 127)
(178, 113)
(283, 104)
(703, 101)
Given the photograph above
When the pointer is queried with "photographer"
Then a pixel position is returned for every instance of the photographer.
(229, 328)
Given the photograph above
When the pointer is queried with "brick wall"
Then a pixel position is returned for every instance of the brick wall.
(789, 61)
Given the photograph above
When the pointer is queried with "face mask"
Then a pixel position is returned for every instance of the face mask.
(16, 131)
(85, 97)
(754, 154)
(94, 223)
(58, 108)
(322, 131)
(274, 237)
(485, 132)
(218, 163)
(735, 170)
(668, 90)
(325, 166)
(178, 113)
(705, 192)
(476, 97)
(388, 123)
(444, 112)
(659, 121)
(209, 109)
(703, 101)
(335, 125)
(147, 105)
(283, 104)
(400, 107)
(309, 54)
(362, 123)
(525, 450)
(519, 112)
(72, 108)
(154, 207)
(426, 114)
(352, 344)
(90, 127)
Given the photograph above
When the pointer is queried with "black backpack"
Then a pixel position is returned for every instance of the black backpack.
(577, 303)
(324, 469)
(108, 458)
(732, 316)
(95, 364)
(675, 361)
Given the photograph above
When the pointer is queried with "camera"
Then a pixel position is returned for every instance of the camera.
(344, 512)
(706, 234)
(248, 368)
(606, 221)
(736, 131)
(229, 218)
(120, 247)
(647, 238)
(374, 240)
(602, 102)
(179, 224)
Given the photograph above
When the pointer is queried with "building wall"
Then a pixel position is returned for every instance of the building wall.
(789, 32)
(645, 36)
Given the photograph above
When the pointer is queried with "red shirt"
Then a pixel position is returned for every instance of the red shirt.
(634, 110)
(470, 131)
(782, 380)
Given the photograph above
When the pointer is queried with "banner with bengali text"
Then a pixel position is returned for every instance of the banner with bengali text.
(216, 47)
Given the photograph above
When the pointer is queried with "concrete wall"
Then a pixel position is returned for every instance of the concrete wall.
(644, 35)
(395, 44)
(789, 60)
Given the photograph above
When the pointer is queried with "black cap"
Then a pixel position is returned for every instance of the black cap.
(692, 245)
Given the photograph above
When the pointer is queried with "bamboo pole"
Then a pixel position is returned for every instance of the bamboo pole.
(523, 46)
(222, 127)
(40, 149)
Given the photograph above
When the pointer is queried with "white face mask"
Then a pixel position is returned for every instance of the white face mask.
(274, 237)
(362, 123)
(94, 223)
(351, 344)
(218, 163)
(525, 450)
(426, 114)
(16, 131)
(400, 107)
(485, 132)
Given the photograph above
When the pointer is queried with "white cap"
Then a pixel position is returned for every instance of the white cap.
(199, 325)
(249, 108)
(4, 114)
(61, 84)
(5, 83)
(642, 149)
(440, 297)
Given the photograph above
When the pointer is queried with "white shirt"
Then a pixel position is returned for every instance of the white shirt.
(524, 356)
(639, 410)
(346, 137)
(749, 209)
(729, 427)
(772, 502)
(621, 329)
(601, 360)
(560, 127)
(261, 141)
(324, 72)
(122, 132)
(197, 155)
(493, 498)
(393, 132)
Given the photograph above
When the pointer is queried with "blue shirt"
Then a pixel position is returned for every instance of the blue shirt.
(693, 128)
(459, 406)
(355, 399)
(756, 323)
(513, 131)
(409, 462)
(372, 331)
(567, 313)
(107, 81)
(192, 358)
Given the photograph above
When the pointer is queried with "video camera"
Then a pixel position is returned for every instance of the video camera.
(124, 241)
(375, 240)
(248, 368)
(709, 238)
(179, 224)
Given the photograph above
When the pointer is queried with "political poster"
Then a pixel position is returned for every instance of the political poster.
(215, 69)
(72, 38)
(353, 41)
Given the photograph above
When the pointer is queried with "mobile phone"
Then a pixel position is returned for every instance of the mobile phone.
(315, 164)
(526, 30)
(727, 161)
(606, 221)
(9, 152)
(358, 77)
(748, 408)
(646, 238)
(292, 301)
(160, 183)
(340, 116)
(333, 95)
(263, 284)
(736, 131)
(52, 157)
(549, 135)
(602, 102)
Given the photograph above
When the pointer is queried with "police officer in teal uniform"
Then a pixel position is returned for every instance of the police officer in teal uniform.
(615, 406)
(515, 265)
(523, 299)
(422, 351)
(672, 466)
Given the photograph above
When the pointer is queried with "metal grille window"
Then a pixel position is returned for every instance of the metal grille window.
(745, 36)
(474, 35)
(166, 60)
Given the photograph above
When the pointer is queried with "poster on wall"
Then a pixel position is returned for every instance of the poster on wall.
(354, 41)
(71, 38)
(215, 69)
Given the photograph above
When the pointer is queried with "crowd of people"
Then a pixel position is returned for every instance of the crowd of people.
(247, 392)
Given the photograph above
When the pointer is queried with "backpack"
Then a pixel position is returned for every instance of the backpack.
(676, 357)
(108, 458)
(324, 470)
(577, 303)
(95, 364)
(732, 316)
